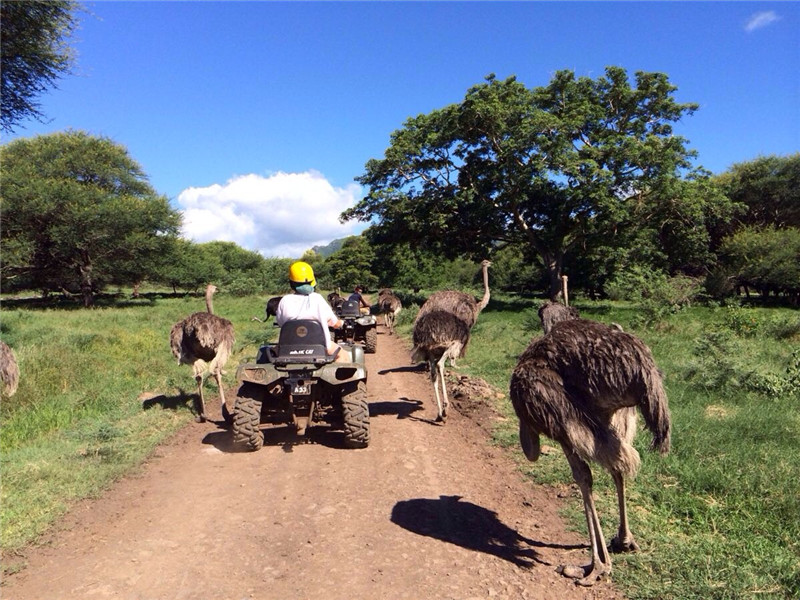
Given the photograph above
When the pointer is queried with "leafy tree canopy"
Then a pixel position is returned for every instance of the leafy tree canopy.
(550, 167)
(769, 187)
(766, 259)
(78, 212)
(349, 266)
(34, 54)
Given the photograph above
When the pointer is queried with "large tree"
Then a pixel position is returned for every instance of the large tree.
(769, 186)
(551, 167)
(34, 54)
(347, 267)
(766, 259)
(78, 212)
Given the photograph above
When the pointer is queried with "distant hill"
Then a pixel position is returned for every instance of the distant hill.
(326, 251)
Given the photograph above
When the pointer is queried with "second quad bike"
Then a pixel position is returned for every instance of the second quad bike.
(356, 327)
(296, 382)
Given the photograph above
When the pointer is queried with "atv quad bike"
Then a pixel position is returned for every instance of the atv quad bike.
(357, 327)
(297, 383)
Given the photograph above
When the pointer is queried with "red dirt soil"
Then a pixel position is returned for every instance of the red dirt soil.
(426, 511)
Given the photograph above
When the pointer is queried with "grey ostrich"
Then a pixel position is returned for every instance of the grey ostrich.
(9, 370)
(389, 306)
(272, 309)
(204, 341)
(580, 385)
(442, 331)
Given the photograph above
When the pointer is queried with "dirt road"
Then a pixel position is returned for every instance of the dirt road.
(426, 511)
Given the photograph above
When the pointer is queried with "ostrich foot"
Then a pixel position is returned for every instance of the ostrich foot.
(441, 418)
(200, 419)
(624, 545)
(586, 576)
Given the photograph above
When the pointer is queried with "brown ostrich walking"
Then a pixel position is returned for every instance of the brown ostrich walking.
(442, 332)
(580, 385)
(9, 370)
(389, 306)
(204, 341)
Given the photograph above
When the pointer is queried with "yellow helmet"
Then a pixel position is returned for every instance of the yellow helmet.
(301, 272)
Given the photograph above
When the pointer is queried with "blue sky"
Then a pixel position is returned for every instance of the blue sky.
(254, 118)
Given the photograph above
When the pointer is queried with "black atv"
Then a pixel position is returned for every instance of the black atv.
(296, 382)
(357, 327)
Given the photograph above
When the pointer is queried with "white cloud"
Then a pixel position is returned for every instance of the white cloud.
(282, 215)
(759, 20)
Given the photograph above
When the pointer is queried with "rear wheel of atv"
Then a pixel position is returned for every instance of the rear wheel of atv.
(371, 341)
(247, 418)
(355, 413)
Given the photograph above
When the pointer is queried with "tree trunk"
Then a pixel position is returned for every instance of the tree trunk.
(86, 283)
(553, 265)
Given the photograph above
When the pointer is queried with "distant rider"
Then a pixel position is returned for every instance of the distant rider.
(363, 305)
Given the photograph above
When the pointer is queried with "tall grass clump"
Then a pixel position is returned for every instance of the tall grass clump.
(718, 516)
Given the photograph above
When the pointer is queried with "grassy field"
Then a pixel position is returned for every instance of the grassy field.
(717, 518)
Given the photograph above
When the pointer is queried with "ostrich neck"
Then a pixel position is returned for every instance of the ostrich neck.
(485, 299)
(209, 304)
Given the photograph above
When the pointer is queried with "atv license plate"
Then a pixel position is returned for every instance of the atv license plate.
(299, 387)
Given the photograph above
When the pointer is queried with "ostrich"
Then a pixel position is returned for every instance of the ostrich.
(9, 371)
(442, 331)
(551, 313)
(580, 385)
(389, 306)
(335, 300)
(204, 341)
(272, 309)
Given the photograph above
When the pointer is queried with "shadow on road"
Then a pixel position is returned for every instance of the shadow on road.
(181, 400)
(284, 436)
(469, 526)
(420, 368)
(402, 407)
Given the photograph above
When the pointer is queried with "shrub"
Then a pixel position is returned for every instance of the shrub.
(656, 294)
(243, 286)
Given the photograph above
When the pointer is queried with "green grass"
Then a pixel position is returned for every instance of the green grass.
(718, 518)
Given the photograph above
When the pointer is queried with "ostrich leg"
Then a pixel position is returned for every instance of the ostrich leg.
(434, 373)
(601, 561)
(446, 402)
(624, 541)
(218, 377)
(201, 404)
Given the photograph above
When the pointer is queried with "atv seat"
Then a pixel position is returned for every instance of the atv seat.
(302, 341)
(349, 308)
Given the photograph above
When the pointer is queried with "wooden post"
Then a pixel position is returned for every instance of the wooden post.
(564, 290)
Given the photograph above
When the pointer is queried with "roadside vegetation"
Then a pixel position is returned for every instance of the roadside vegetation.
(716, 518)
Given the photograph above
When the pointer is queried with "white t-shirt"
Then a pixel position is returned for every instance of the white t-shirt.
(313, 306)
